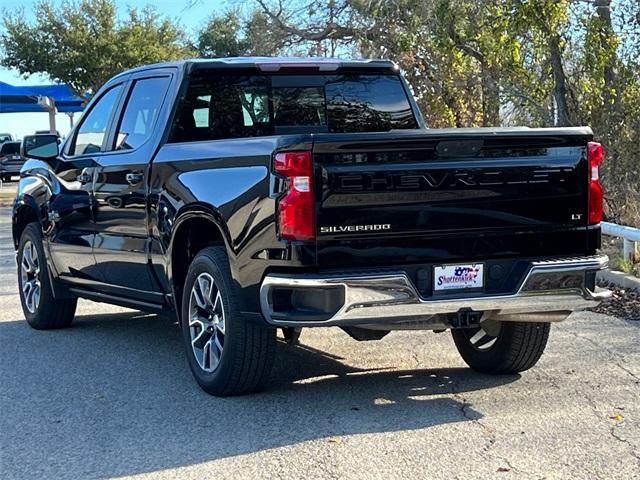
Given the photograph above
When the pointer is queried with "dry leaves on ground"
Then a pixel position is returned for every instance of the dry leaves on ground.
(623, 303)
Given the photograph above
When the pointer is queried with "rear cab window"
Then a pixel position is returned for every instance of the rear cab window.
(219, 105)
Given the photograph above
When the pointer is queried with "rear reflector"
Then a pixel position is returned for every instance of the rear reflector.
(595, 155)
(296, 214)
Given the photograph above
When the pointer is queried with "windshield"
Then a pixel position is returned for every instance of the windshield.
(232, 106)
(10, 148)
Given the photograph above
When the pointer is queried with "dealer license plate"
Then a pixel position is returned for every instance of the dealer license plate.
(454, 277)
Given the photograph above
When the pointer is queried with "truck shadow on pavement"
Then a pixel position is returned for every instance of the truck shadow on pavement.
(113, 396)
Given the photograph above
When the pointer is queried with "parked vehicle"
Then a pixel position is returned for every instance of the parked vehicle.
(46, 132)
(6, 137)
(10, 160)
(246, 195)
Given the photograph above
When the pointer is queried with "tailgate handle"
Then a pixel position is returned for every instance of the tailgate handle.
(459, 148)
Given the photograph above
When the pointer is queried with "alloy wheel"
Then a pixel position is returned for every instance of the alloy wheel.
(206, 322)
(30, 276)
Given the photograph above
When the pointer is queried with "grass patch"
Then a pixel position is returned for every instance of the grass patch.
(619, 263)
(612, 246)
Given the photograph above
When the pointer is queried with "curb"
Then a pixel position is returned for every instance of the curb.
(620, 279)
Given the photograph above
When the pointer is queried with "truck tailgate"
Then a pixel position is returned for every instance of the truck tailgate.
(422, 196)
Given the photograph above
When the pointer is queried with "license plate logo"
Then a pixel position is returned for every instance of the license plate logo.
(452, 277)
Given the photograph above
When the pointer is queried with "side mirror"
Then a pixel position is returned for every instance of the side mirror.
(40, 147)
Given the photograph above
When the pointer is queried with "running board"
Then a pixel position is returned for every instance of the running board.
(117, 300)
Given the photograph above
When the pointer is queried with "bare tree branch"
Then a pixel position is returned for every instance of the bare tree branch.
(330, 31)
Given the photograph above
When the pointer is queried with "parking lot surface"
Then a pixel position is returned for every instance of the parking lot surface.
(113, 397)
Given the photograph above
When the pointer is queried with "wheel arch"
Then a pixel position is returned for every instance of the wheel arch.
(24, 212)
(196, 227)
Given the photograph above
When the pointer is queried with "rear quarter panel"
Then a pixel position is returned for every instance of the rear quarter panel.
(230, 183)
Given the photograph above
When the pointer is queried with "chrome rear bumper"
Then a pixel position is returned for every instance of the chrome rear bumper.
(549, 292)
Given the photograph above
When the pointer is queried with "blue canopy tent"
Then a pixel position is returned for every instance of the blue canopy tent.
(66, 101)
(40, 98)
(17, 99)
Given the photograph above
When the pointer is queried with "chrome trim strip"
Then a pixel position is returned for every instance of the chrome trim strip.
(392, 297)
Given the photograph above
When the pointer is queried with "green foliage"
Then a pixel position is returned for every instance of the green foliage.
(502, 62)
(83, 44)
(221, 37)
(618, 262)
(470, 62)
(227, 35)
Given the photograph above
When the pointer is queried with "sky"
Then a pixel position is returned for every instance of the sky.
(21, 124)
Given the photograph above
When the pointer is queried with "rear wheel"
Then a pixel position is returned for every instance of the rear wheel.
(502, 347)
(227, 354)
(41, 310)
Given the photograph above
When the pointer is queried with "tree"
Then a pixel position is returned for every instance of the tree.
(229, 35)
(318, 28)
(497, 62)
(608, 70)
(83, 44)
(221, 37)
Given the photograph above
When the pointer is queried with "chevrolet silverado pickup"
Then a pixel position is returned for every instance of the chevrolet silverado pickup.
(247, 195)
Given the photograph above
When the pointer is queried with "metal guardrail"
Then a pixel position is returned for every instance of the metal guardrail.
(630, 236)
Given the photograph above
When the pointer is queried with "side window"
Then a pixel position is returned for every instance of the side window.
(94, 126)
(141, 112)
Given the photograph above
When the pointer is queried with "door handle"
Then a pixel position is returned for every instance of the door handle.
(134, 178)
(85, 177)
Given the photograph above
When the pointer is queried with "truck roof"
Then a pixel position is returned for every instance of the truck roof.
(272, 64)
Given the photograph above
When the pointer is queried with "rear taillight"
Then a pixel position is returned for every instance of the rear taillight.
(595, 155)
(296, 216)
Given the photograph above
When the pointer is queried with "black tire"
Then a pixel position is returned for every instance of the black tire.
(517, 347)
(47, 312)
(245, 362)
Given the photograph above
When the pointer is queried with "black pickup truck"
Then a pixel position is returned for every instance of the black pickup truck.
(245, 195)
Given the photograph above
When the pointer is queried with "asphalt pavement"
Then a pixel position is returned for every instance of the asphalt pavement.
(112, 396)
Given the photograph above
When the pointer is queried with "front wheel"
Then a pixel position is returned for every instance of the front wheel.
(502, 347)
(227, 354)
(41, 309)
